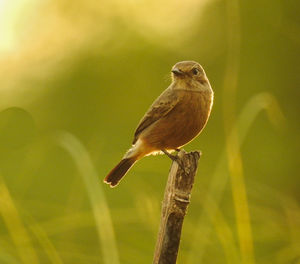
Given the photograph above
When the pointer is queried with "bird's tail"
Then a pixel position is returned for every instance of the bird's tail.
(118, 172)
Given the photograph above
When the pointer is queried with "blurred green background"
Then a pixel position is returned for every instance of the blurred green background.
(75, 79)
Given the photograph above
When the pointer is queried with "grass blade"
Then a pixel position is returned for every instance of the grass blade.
(96, 195)
(14, 224)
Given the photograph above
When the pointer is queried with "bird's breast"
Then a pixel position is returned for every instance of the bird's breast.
(193, 112)
(184, 122)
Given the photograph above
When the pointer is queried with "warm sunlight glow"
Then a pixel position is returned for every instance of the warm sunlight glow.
(8, 14)
(76, 77)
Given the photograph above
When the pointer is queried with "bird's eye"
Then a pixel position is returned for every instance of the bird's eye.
(195, 71)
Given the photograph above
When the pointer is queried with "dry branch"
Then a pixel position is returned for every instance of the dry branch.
(174, 206)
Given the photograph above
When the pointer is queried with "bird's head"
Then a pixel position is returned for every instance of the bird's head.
(189, 72)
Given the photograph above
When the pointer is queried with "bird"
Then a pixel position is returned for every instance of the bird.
(175, 118)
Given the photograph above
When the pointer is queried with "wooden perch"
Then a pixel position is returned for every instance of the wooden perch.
(174, 206)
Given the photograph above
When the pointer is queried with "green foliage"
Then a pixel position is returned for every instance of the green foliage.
(76, 77)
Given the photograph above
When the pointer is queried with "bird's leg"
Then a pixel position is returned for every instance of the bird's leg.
(175, 158)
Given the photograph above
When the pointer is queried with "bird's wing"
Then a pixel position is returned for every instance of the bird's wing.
(161, 107)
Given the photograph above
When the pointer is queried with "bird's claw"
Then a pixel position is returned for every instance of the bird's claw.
(176, 159)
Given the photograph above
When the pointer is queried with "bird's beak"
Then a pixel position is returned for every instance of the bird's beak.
(177, 72)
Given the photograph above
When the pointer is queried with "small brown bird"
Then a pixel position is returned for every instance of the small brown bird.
(176, 117)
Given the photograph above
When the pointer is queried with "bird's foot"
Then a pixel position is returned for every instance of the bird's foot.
(176, 159)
